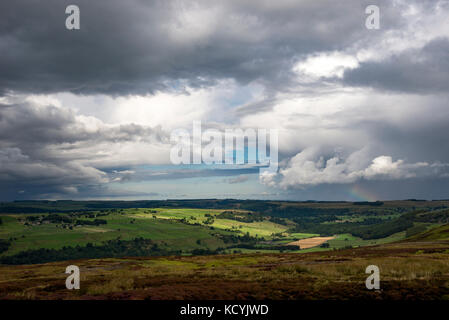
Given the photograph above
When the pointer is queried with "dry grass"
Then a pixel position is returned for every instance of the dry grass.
(310, 242)
(408, 271)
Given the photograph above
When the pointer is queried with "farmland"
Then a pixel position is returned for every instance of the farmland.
(410, 270)
(138, 246)
(211, 226)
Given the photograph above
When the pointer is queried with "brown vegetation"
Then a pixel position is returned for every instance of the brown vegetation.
(409, 270)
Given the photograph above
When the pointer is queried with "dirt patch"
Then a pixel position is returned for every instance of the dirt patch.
(310, 242)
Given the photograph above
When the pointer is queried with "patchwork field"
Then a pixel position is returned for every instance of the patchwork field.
(228, 250)
(235, 226)
(124, 227)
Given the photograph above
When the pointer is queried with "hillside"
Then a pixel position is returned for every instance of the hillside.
(45, 231)
(440, 233)
(249, 250)
(409, 270)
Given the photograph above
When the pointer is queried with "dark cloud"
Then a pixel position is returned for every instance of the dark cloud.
(48, 150)
(141, 47)
(424, 70)
(414, 142)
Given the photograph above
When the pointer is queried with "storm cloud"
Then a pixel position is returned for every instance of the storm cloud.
(423, 70)
(50, 148)
(141, 47)
(88, 113)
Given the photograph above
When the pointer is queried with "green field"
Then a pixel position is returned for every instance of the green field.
(177, 229)
(261, 229)
(177, 236)
(414, 269)
(228, 226)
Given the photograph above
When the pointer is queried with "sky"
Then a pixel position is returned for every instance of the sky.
(361, 114)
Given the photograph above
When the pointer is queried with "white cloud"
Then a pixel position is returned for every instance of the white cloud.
(385, 166)
(327, 64)
(311, 167)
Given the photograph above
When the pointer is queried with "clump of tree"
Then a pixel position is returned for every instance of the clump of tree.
(368, 203)
(415, 230)
(209, 220)
(65, 219)
(237, 238)
(278, 221)
(241, 216)
(436, 216)
(110, 249)
(95, 222)
(4, 245)
(369, 229)
(205, 252)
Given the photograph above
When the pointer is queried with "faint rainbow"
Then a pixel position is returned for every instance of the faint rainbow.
(360, 194)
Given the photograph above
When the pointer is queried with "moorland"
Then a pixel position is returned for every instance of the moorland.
(224, 249)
